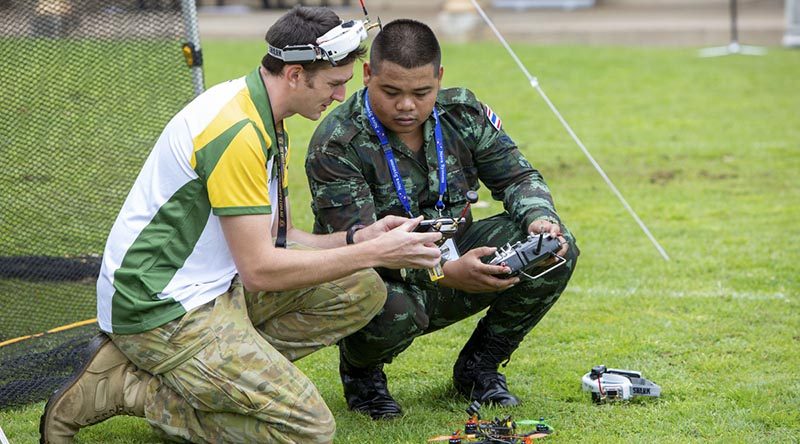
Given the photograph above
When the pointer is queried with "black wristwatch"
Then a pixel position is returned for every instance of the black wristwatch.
(352, 232)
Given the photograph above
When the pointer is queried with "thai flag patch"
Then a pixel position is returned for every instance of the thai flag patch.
(494, 119)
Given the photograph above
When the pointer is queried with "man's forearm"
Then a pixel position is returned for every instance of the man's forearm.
(529, 200)
(293, 269)
(263, 267)
(320, 241)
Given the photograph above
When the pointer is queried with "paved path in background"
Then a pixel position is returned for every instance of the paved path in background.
(760, 22)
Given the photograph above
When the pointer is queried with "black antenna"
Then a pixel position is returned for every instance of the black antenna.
(363, 8)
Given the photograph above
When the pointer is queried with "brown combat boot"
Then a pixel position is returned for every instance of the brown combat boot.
(107, 385)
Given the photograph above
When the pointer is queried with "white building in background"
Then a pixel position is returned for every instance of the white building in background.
(792, 36)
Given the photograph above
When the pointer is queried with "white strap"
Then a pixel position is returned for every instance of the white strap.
(3, 438)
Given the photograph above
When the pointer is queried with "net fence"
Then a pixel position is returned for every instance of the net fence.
(85, 89)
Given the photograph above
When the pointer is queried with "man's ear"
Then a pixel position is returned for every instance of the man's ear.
(441, 74)
(293, 74)
(367, 73)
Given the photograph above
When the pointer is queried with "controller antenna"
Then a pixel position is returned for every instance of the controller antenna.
(539, 244)
(472, 197)
(363, 8)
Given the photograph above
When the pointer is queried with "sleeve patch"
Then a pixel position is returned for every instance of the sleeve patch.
(494, 119)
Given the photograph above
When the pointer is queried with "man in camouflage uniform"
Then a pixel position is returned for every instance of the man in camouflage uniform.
(204, 314)
(351, 184)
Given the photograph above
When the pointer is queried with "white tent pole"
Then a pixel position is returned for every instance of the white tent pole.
(535, 84)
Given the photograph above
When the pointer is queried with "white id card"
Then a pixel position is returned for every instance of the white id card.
(449, 250)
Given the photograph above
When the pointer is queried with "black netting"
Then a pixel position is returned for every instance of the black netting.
(33, 368)
(85, 89)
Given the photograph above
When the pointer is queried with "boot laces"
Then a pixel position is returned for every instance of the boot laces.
(496, 353)
(379, 382)
(111, 412)
(372, 377)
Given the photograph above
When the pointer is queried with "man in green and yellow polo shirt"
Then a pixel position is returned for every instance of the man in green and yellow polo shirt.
(204, 305)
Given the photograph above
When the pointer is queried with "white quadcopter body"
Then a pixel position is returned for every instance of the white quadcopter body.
(615, 384)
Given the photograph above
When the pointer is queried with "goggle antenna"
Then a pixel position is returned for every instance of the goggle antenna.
(367, 23)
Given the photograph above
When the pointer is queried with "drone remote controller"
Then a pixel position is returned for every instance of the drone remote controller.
(523, 256)
(448, 226)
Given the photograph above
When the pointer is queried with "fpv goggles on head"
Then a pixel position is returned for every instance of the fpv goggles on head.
(333, 46)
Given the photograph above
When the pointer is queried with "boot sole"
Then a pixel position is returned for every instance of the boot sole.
(469, 395)
(97, 342)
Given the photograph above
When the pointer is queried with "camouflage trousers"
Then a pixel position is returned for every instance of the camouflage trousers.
(224, 371)
(416, 306)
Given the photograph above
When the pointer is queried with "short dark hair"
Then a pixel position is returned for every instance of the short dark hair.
(407, 43)
(303, 25)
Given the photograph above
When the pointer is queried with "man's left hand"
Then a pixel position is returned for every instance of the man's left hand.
(386, 224)
(469, 274)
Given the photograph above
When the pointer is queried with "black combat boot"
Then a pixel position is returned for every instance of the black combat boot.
(366, 392)
(475, 372)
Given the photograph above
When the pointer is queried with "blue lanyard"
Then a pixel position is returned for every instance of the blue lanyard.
(397, 180)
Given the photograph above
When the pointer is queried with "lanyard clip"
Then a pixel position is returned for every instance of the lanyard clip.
(440, 205)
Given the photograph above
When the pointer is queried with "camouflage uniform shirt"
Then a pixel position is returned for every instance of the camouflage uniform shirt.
(351, 183)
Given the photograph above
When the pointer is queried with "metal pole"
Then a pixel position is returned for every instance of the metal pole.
(189, 12)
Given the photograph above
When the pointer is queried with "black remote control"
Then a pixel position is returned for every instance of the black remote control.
(448, 226)
(523, 256)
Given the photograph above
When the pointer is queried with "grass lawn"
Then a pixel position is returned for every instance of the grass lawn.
(708, 153)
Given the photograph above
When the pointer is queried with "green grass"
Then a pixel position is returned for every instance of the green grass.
(65, 165)
(708, 153)
(78, 179)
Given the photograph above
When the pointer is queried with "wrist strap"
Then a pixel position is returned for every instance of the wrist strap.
(280, 157)
(352, 232)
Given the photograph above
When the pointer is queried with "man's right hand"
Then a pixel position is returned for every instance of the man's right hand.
(401, 247)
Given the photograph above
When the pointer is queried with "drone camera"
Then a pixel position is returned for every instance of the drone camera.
(597, 371)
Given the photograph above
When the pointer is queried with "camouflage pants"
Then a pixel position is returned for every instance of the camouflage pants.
(224, 371)
(417, 306)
